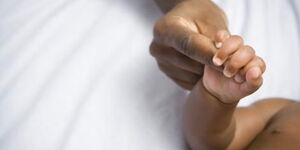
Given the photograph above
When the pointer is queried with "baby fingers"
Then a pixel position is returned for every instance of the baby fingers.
(253, 75)
(255, 62)
(228, 47)
(238, 60)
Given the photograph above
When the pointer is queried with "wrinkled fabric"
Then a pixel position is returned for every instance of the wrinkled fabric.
(77, 74)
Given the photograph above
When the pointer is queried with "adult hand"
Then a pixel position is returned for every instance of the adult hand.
(184, 40)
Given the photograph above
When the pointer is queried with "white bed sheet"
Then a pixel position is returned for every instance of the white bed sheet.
(76, 74)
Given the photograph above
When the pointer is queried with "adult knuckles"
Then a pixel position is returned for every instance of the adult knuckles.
(166, 23)
(153, 49)
(162, 24)
(159, 27)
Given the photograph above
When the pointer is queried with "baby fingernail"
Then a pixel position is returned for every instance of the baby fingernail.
(218, 45)
(228, 74)
(238, 78)
(227, 36)
(217, 61)
(256, 72)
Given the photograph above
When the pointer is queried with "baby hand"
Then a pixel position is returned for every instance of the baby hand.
(242, 73)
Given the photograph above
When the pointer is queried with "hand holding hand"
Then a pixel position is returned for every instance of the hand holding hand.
(184, 40)
(242, 74)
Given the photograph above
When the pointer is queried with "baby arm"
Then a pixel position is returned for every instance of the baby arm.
(212, 121)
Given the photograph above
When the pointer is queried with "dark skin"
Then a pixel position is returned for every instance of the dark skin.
(183, 39)
(212, 120)
(269, 124)
(219, 78)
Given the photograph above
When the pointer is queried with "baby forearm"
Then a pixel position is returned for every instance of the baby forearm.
(209, 123)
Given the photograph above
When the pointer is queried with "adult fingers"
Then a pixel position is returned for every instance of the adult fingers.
(183, 84)
(184, 36)
(175, 58)
(179, 74)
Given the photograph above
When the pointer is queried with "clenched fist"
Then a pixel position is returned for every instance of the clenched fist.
(242, 73)
(184, 40)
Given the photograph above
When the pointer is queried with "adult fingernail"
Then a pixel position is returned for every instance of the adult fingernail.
(218, 45)
(217, 61)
